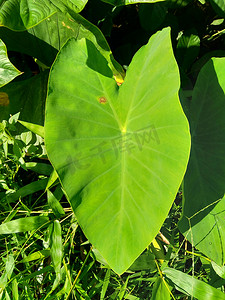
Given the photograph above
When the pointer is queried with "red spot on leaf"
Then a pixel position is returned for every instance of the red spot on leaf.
(102, 100)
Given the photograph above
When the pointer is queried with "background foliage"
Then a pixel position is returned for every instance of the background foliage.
(44, 252)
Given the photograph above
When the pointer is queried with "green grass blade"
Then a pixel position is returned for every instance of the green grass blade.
(28, 189)
(56, 250)
(15, 291)
(39, 168)
(105, 284)
(55, 205)
(9, 266)
(52, 179)
(23, 224)
(123, 290)
(192, 286)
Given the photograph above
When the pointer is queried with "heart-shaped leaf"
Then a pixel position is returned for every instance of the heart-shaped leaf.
(120, 152)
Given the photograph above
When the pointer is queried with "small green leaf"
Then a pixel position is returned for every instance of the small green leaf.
(8, 72)
(36, 255)
(217, 22)
(37, 129)
(26, 137)
(14, 118)
(192, 286)
(219, 270)
(188, 47)
(23, 224)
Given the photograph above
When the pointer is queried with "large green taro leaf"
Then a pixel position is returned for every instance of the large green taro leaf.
(120, 152)
(23, 14)
(45, 39)
(55, 31)
(203, 220)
